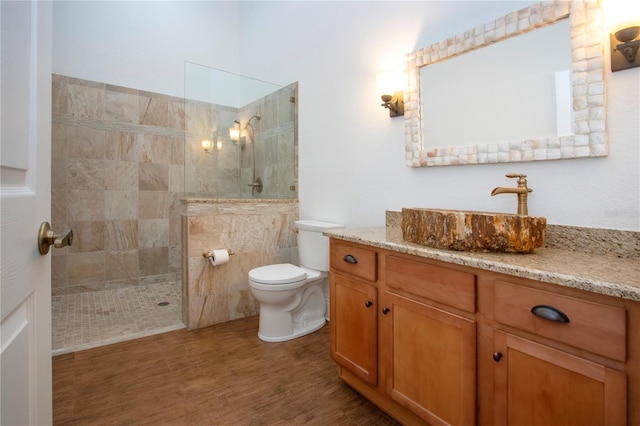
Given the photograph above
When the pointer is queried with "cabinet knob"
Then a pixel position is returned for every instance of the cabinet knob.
(368, 303)
(497, 356)
(350, 259)
(385, 311)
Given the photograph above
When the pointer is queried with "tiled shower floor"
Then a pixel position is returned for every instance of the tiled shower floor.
(87, 320)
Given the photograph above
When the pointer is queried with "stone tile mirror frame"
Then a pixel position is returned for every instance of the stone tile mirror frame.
(587, 84)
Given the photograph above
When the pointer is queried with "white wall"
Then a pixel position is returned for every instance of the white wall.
(143, 44)
(352, 164)
(352, 154)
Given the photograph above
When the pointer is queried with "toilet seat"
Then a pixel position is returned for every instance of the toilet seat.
(282, 276)
(282, 273)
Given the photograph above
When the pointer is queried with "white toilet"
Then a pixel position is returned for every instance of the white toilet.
(292, 300)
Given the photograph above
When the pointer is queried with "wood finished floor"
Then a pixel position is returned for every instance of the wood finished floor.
(220, 375)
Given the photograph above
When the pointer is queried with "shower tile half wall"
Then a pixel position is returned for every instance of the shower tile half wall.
(117, 181)
(259, 232)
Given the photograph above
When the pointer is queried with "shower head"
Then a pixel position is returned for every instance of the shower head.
(257, 117)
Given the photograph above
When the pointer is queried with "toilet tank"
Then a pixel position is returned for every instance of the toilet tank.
(313, 247)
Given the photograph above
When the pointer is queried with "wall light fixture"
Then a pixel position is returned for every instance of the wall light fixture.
(391, 90)
(624, 49)
(234, 132)
(623, 21)
(219, 143)
(206, 145)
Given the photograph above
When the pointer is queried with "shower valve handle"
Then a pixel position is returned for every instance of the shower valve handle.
(257, 185)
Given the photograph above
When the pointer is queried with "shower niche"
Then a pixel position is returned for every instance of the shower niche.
(240, 136)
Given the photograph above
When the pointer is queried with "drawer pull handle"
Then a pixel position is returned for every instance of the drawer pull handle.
(368, 303)
(549, 313)
(497, 356)
(350, 259)
(385, 311)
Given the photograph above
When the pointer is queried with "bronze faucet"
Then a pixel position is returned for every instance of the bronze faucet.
(521, 190)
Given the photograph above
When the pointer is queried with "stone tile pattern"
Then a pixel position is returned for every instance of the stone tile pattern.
(117, 181)
(276, 146)
(216, 173)
(227, 173)
(589, 139)
(86, 320)
(258, 232)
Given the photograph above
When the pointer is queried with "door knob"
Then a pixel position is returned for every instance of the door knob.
(46, 238)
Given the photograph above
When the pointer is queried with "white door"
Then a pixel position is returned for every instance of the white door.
(25, 202)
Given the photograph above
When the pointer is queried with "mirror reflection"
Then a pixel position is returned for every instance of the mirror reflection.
(511, 90)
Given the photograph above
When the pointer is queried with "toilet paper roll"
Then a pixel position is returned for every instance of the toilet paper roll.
(219, 257)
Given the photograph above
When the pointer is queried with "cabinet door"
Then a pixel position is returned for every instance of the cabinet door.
(537, 385)
(431, 361)
(354, 327)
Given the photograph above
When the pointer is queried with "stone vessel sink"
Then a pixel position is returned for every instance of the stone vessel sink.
(473, 231)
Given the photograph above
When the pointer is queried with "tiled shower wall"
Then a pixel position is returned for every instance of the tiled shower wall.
(117, 181)
(226, 173)
(258, 232)
(276, 145)
(214, 174)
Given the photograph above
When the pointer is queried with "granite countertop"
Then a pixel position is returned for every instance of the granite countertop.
(599, 273)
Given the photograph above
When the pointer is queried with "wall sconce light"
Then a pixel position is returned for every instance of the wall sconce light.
(234, 132)
(623, 20)
(624, 49)
(206, 145)
(391, 90)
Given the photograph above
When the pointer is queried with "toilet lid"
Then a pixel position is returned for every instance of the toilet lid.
(278, 274)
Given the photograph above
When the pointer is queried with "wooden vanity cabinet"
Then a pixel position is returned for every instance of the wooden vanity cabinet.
(429, 346)
(538, 380)
(403, 350)
(535, 384)
(434, 343)
(354, 335)
(354, 306)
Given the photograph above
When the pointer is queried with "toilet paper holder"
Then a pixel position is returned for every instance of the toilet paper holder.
(209, 254)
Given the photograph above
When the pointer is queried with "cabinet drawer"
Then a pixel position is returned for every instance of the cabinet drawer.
(597, 328)
(443, 285)
(358, 261)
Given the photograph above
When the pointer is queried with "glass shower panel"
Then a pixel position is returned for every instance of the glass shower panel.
(259, 163)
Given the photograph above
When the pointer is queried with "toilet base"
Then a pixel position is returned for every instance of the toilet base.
(298, 331)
